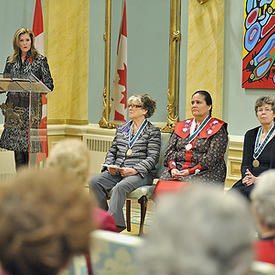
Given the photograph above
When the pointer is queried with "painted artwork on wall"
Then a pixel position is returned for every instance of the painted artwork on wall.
(259, 44)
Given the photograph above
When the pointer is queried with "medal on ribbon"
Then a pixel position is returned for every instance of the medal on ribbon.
(260, 147)
(255, 163)
(129, 152)
(193, 134)
(132, 140)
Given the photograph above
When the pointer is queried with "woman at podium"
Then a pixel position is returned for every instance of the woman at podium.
(24, 61)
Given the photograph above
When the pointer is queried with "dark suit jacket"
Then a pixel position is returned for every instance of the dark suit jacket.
(145, 151)
(16, 137)
(266, 158)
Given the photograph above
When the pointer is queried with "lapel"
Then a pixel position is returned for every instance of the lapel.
(182, 128)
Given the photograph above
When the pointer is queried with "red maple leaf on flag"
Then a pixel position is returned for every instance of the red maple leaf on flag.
(123, 82)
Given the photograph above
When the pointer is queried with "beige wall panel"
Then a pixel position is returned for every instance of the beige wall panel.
(67, 48)
(205, 52)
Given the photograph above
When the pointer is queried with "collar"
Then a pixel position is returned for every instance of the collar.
(183, 128)
(27, 56)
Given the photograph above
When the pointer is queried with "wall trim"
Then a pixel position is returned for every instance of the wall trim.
(234, 159)
(60, 131)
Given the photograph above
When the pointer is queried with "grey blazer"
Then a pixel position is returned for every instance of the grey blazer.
(145, 151)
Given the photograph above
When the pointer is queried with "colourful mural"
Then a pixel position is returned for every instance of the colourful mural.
(259, 44)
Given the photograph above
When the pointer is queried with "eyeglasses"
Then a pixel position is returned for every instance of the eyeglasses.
(134, 106)
(261, 110)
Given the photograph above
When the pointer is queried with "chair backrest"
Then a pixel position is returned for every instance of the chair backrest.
(261, 268)
(111, 253)
(77, 266)
(164, 142)
(114, 253)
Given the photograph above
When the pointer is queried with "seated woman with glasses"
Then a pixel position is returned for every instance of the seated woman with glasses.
(258, 147)
(132, 159)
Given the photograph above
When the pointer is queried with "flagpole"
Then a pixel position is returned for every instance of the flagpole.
(38, 31)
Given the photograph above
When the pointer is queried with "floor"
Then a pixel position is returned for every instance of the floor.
(135, 217)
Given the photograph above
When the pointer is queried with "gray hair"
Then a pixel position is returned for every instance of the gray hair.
(199, 231)
(147, 103)
(263, 198)
(71, 156)
(265, 100)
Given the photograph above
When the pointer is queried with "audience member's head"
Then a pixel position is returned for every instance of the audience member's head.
(44, 221)
(199, 231)
(71, 156)
(263, 203)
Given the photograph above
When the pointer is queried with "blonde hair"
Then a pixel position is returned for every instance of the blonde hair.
(45, 219)
(16, 48)
(71, 156)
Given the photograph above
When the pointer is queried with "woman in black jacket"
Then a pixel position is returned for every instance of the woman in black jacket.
(24, 62)
(259, 146)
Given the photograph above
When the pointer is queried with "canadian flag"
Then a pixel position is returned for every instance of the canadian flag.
(39, 44)
(119, 91)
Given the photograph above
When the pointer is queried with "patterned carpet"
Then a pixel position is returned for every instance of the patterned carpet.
(135, 217)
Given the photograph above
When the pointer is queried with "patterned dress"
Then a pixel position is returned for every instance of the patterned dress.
(205, 160)
(15, 136)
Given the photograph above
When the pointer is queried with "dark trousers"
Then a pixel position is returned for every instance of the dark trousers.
(242, 189)
(21, 159)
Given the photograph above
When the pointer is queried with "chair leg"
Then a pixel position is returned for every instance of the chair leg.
(143, 207)
(128, 215)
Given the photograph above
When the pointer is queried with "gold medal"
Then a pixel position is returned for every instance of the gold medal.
(188, 146)
(255, 163)
(129, 152)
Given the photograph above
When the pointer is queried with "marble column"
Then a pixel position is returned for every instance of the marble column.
(66, 28)
(205, 52)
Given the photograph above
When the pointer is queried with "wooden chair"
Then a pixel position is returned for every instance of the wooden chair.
(144, 193)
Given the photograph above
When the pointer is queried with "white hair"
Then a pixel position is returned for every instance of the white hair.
(199, 231)
(263, 198)
(71, 156)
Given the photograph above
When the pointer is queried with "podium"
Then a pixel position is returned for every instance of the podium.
(25, 126)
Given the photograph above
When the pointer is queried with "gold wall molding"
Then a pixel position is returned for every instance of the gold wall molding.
(105, 117)
(174, 64)
(201, 2)
(234, 160)
(67, 121)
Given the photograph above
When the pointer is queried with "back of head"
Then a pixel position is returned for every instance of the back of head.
(45, 219)
(71, 156)
(263, 198)
(200, 231)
